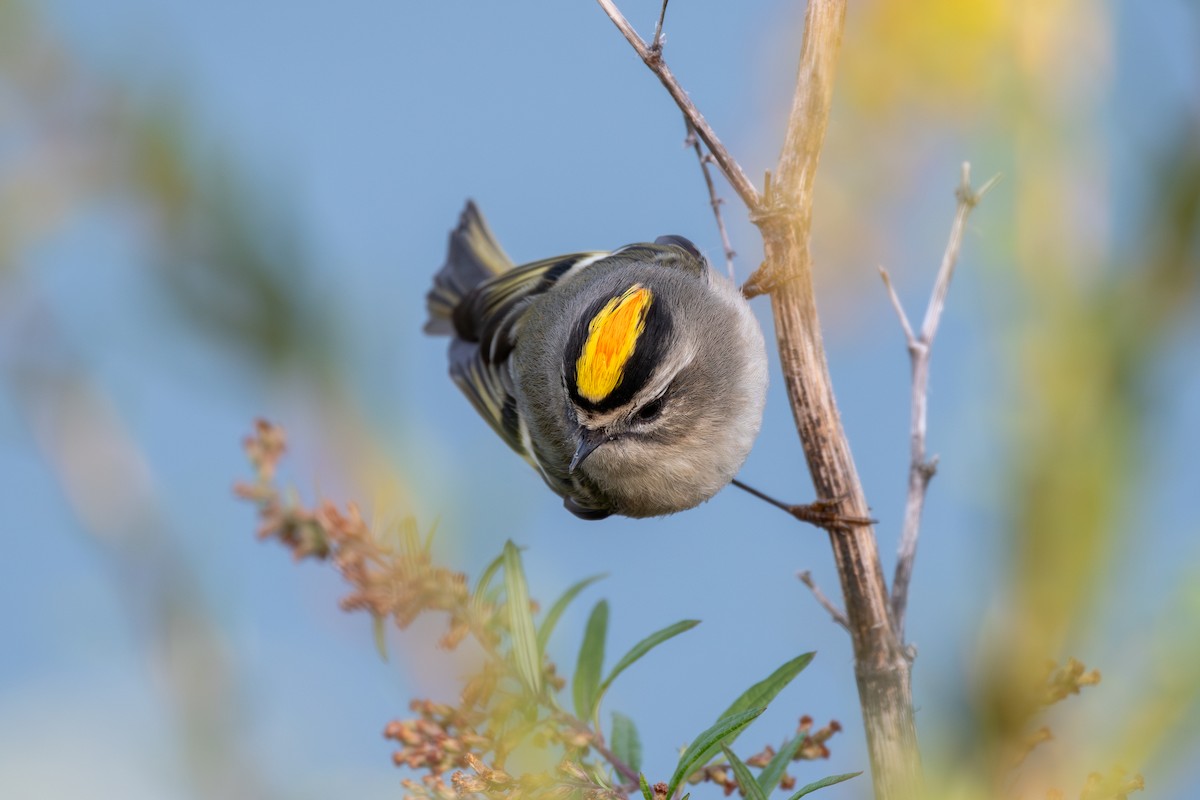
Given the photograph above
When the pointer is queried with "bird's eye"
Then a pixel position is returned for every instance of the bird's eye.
(651, 410)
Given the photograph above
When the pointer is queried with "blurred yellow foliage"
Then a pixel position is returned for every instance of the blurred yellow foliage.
(956, 58)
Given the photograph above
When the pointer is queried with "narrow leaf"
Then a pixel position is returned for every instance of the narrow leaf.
(745, 778)
(524, 643)
(821, 784)
(762, 693)
(485, 580)
(646, 791)
(772, 773)
(645, 646)
(591, 660)
(560, 605)
(626, 744)
(378, 625)
(725, 729)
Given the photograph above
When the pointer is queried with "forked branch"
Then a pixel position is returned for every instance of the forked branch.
(653, 59)
(921, 469)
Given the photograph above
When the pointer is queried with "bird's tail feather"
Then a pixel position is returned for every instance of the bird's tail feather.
(472, 257)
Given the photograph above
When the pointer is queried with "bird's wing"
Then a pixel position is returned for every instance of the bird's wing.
(488, 322)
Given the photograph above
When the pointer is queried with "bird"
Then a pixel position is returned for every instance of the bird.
(632, 380)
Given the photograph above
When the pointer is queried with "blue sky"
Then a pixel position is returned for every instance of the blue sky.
(372, 123)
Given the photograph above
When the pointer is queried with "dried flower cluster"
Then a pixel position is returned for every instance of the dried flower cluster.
(393, 577)
(1069, 679)
(469, 749)
(1116, 785)
(1057, 683)
(812, 747)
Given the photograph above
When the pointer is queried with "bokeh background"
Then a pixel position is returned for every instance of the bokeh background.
(215, 211)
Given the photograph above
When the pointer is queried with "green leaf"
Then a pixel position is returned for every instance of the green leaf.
(821, 784)
(772, 773)
(745, 778)
(645, 646)
(485, 580)
(694, 756)
(591, 660)
(560, 605)
(524, 643)
(762, 693)
(626, 745)
(380, 631)
(646, 791)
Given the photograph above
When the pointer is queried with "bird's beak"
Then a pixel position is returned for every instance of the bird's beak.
(589, 440)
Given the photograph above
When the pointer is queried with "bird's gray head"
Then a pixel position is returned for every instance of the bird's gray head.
(664, 396)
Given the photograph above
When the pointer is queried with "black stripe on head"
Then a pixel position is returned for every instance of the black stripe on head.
(680, 241)
(554, 273)
(652, 346)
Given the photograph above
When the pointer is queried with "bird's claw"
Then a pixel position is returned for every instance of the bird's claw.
(826, 514)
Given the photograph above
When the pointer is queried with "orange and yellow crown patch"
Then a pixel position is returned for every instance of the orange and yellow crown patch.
(611, 339)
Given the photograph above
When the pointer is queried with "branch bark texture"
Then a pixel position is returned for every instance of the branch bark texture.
(881, 667)
(783, 214)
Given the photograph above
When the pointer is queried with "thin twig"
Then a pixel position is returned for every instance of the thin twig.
(838, 615)
(909, 338)
(596, 742)
(653, 59)
(921, 469)
(693, 141)
(657, 44)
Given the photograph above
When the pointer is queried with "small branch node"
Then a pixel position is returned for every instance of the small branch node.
(838, 615)
(929, 468)
(656, 47)
(754, 286)
(764, 280)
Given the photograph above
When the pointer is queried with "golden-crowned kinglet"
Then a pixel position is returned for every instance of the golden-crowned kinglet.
(633, 381)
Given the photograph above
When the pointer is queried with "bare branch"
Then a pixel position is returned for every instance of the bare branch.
(657, 45)
(838, 615)
(653, 59)
(909, 338)
(921, 469)
(693, 142)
